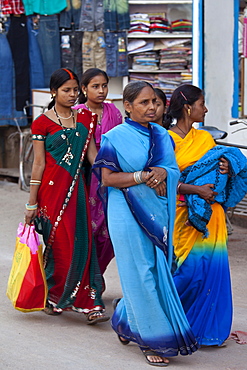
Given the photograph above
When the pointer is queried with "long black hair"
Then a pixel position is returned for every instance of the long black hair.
(132, 90)
(87, 77)
(184, 94)
(58, 78)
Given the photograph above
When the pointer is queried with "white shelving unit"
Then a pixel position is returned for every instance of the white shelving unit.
(173, 9)
(167, 2)
(165, 36)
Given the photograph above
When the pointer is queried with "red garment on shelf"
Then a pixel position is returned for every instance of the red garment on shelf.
(12, 7)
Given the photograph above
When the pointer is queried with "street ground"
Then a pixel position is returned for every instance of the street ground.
(35, 341)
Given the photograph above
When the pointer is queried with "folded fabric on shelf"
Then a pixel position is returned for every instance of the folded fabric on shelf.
(181, 25)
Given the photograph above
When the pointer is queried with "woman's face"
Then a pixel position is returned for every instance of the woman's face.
(143, 108)
(198, 110)
(160, 110)
(96, 90)
(67, 94)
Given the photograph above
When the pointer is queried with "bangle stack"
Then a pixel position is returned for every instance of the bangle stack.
(178, 187)
(32, 207)
(35, 182)
(138, 177)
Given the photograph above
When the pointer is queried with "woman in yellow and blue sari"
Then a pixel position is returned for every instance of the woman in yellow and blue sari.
(212, 178)
(140, 172)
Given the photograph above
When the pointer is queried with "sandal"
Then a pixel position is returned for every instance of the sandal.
(51, 310)
(96, 316)
(121, 339)
(152, 353)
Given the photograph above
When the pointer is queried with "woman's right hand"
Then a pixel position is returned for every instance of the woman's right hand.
(30, 216)
(206, 192)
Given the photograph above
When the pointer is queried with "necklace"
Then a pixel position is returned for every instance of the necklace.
(68, 155)
(58, 116)
(181, 130)
(99, 117)
(59, 120)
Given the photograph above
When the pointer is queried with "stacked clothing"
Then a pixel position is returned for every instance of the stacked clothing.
(152, 78)
(139, 23)
(146, 61)
(159, 24)
(167, 82)
(173, 60)
(181, 25)
(176, 55)
(186, 77)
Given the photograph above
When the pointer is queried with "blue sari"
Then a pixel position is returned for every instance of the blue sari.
(141, 225)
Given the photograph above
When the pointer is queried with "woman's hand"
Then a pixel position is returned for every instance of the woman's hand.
(155, 177)
(224, 166)
(30, 216)
(161, 189)
(206, 192)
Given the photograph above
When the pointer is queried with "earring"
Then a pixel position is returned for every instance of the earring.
(189, 111)
(53, 96)
(85, 94)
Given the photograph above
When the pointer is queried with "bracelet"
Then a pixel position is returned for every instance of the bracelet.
(138, 177)
(178, 187)
(31, 207)
(35, 182)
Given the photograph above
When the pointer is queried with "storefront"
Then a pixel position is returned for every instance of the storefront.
(178, 41)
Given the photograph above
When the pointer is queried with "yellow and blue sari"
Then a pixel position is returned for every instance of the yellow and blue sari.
(203, 276)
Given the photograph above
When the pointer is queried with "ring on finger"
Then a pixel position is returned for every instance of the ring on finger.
(155, 180)
(221, 163)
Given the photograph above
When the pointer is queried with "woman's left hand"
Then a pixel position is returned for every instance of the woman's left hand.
(224, 166)
(161, 189)
(156, 177)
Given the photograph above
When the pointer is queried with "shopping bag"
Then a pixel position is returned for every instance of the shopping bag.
(27, 287)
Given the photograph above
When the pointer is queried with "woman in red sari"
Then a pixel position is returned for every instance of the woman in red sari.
(58, 203)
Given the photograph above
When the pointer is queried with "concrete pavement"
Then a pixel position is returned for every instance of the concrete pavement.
(35, 341)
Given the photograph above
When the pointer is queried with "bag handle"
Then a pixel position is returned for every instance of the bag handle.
(29, 229)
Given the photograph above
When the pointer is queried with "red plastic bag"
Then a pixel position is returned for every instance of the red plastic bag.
(27, 287)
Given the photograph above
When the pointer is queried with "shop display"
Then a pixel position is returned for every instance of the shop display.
(160, 43)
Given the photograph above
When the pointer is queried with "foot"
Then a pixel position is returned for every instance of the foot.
(96, 316)
(50, 310)
(123, 340)
(155, 360)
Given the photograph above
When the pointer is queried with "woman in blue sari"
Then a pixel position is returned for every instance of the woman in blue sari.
(139, 169)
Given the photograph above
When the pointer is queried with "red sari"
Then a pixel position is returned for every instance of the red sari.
(71, 266)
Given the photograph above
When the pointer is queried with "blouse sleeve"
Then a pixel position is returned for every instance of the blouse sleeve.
(39, 129)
